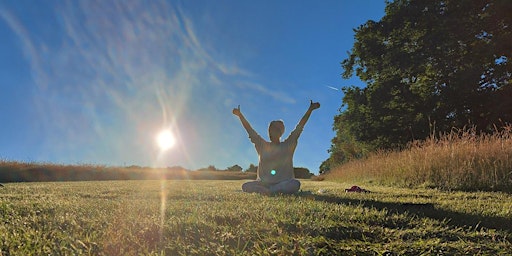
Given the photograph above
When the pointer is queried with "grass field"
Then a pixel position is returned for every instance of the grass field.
(216, 218)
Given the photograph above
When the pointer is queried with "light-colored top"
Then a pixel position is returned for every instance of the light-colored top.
(275, 159)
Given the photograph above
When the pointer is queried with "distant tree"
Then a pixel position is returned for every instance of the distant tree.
(302, 173)
(176, 168)
(209, 168)
(234, 168)
(252, 168)
(428, 66)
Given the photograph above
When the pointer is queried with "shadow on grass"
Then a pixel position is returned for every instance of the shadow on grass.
(422, 210)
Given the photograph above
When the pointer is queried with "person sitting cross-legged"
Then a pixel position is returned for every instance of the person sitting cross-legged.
(275, 169)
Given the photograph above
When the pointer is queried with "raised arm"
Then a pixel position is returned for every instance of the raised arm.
(252, 133)
(300, 126)
(312, 106)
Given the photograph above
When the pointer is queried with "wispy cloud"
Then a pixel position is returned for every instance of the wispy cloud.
(122, 68)
(30, 50)
(273, 93)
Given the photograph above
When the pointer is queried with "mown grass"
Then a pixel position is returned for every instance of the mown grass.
(216, 218)
(460, 160)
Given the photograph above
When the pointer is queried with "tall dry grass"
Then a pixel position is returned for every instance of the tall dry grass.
(459, 160)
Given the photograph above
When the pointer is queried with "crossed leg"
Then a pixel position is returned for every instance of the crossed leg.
(289, 186)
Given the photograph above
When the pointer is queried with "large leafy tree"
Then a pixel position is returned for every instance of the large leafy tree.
(427, 65)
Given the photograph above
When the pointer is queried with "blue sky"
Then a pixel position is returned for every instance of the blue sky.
(93, 82)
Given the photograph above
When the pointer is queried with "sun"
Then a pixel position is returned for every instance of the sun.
(165, 140)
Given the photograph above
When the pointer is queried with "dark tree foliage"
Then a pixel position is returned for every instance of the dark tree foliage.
(235, 168)
(252, 168)
(428, 66)
(301, 173)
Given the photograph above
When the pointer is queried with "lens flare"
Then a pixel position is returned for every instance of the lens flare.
(165, 140)
(273, 172)
(163, 206)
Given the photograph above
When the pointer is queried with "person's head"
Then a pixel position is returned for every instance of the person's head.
(275, 130)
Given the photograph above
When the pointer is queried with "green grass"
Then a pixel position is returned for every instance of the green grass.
(216, 218)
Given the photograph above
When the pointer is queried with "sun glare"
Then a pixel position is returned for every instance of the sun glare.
(165, 140)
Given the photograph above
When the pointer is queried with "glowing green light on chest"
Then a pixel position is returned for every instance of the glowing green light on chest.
(273, 172)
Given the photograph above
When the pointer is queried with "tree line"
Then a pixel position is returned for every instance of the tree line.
(299, 172)
(428, 67)
(11, 171)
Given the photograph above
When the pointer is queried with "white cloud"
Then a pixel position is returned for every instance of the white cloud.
(29, 48)
(123, 69)
(273, 93)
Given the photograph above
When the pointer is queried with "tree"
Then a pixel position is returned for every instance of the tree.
(427, 65)
(210, 168)
(344, 147)
(252, 168)
(234, 168)
(301, 173)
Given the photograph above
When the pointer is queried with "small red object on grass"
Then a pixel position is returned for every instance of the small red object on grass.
(357, 189)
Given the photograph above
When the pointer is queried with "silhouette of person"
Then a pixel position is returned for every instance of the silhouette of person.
(275, 169)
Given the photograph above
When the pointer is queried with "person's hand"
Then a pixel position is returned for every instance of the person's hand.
(236, 111)
(314, 105)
